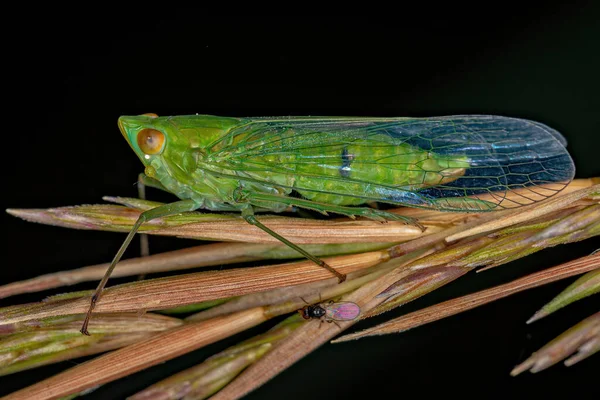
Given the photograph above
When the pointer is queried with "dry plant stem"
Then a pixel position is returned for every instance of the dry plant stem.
(439, 238)
(335, 290)
(282, 295)
(215, 372)
(210, 254)
(172, 343)
(162, 347)
(577, 220)
(488, 222)
(417, 284)
(193, 257)
(307, 338)
(583, 337)
(169, 292)
(436, 218)
(574, 223)
(458, 305)
(203, 380)
(147, 353)
(199, 256)
(517, 242)
(525, 213)
(222, 227)
(311, 292)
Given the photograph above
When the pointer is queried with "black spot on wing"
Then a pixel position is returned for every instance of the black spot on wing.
(346, 161)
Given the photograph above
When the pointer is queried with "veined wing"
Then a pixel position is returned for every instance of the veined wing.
(456, 163)
(342, 311)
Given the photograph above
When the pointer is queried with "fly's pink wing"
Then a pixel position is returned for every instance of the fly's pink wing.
(342, 311)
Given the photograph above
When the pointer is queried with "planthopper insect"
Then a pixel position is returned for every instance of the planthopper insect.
(338, 164)
(331, 311)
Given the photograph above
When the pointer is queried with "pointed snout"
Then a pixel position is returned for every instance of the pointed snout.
(127, 126)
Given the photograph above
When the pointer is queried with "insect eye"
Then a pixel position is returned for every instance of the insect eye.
(150, 141)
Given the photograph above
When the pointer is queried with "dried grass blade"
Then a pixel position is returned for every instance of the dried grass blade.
(193, 257)
(458, 305)
(215, 372)
(526, 213)
(583, 337)
(162, 347)
(308, 337)
(169, 292)
(222, 227)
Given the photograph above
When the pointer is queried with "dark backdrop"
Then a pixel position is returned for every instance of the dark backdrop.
(68, 78)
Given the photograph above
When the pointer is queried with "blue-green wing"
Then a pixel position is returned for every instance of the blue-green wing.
(457, 163)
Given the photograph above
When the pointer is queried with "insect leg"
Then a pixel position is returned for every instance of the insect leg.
(145, 180)
(144, 245)
(371, 213)
(248, 215)
(161, 211)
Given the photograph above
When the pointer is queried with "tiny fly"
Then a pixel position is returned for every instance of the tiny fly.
(331, 311)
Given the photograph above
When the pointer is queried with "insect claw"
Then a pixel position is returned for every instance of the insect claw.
(84, 329)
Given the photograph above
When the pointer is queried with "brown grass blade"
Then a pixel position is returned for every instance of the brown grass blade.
(312, 293)
(171, 261)
(526, 213)
(162, 347)
(309, 336)
(193, 257)
(414, 286)
(158, 293)
(221, 227)
(583, 337)
(163, 293)
(468, 302)
(215, 372)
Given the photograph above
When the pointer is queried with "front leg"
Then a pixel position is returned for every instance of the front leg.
(148, 215)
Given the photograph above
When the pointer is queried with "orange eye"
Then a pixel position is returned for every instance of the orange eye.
(150, 141)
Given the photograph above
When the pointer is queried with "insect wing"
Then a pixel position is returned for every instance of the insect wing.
(455, 163)
(342, 311)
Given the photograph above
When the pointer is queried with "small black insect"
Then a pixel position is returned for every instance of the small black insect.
(331, 311)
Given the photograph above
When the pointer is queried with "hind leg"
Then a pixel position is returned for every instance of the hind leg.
(263, 200)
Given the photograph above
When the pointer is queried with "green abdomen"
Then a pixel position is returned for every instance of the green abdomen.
(354, 172)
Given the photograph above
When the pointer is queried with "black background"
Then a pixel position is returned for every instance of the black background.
(68, 78)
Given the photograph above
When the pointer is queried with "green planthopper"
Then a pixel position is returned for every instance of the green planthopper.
(338, 164)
